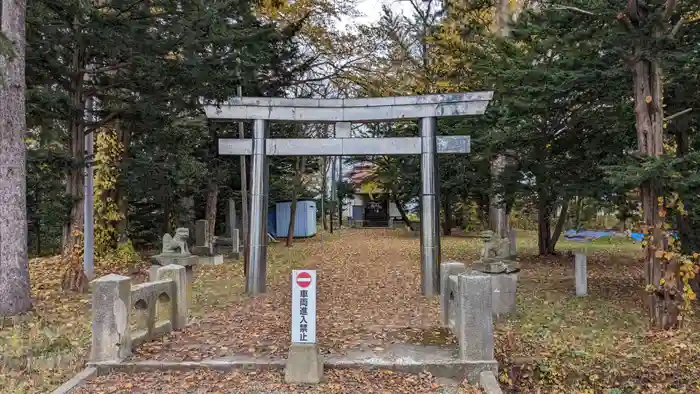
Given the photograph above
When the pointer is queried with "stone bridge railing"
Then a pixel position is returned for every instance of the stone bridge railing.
(114, 297)
(466, 304)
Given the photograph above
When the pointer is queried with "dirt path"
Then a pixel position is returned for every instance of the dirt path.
(368, 296)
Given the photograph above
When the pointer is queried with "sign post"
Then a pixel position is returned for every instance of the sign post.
(304, 364)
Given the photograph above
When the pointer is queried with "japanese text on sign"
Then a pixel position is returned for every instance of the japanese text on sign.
(304, 306)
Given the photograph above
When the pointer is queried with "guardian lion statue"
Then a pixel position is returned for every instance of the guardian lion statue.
(494, 247)
(178, 243)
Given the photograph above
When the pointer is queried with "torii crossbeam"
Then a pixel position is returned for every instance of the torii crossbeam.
(425, 108)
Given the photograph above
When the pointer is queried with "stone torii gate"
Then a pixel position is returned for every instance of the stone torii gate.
(343, 112)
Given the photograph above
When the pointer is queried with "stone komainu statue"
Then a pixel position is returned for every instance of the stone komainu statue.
(494, 247)
(178, 243)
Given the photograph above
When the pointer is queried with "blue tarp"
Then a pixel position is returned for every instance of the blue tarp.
(637, 237)
(589, 235)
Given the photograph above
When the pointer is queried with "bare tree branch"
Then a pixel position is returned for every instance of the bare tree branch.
(677, 114)
(570, 8)
(669, 8)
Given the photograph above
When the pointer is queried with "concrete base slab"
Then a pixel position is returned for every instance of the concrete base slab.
(304, 364)
(211, 260)
(219, 364)
(440, 361)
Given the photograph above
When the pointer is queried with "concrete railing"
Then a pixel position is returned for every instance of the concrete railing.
(112, 300)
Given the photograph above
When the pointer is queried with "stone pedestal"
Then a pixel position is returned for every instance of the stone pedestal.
(204, 247)
(216, 259)
(504, 283)
(304, 364)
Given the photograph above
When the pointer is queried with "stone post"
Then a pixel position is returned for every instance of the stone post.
(446, 269)
(179, 305)
(474, 317)
(512, 242)
(581, 273)
(111, 302)
(201, 233)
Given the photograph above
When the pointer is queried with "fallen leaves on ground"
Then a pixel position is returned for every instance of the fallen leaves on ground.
(44, 348)
(272, 382)
(368, 296)
(600, 342)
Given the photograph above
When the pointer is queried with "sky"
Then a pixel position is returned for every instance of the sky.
(372, 10)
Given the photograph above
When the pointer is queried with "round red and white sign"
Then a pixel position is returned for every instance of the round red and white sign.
(303, 279)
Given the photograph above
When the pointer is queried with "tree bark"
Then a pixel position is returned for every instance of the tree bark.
(210, 214)
(167, 213)
(648, 96)
(402, 212)
(124, 135)
(212, 188)
(299, 171)
(559, 227)
(340, 212)
(544, 226)
(14, 266)
(76, 143)
(447, 209)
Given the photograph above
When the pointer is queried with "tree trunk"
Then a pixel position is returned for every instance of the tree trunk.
(402, 212)
(14, 266)
(124, 135)
(76, 143)
(447, 208)
(340, 213)
(559, 227)
(648, 96)
(292, 218)
(212, 187)
(167, 213)
(210, 214)
(578, 205)
(544, 227)
(299, 171)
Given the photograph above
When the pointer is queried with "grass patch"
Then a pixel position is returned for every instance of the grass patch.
(600, 343)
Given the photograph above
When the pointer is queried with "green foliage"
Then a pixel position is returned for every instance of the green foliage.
(47, 204)
(150, 64)
(108, 154)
